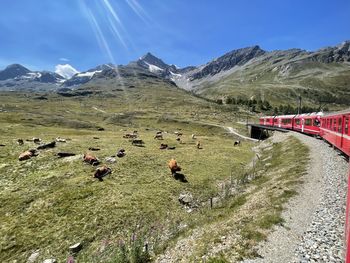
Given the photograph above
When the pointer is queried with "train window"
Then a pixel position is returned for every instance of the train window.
(339, 125)
(316, 122)
(308, 122)
(346, 125)
(334, 124)
(330, 124)
(297, 121)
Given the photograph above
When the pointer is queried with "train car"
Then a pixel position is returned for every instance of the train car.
(267, 120)
(347, 223)
(308, 123)
(284, 121)
(335, 129)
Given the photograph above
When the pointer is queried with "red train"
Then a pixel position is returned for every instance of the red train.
(331, 127)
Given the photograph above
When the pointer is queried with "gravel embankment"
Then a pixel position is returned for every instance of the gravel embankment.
(314, 219)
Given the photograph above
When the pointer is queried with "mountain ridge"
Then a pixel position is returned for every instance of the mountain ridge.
(249, 71)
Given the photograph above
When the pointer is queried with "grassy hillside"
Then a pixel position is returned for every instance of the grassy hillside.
(48, 204)
(281, 79)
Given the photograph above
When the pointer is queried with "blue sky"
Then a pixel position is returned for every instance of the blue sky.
(85, 33)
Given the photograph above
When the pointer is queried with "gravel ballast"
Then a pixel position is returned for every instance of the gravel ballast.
(314, 220)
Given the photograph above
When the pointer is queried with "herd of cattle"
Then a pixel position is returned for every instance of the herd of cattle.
(91, 159)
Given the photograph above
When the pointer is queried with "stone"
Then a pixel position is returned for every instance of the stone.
(33, 257)
(110, 160)
(50, 260)
(186, 198)
(75, 248)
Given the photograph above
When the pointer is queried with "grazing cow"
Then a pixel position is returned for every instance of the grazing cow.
(59, 139)
(130, 135)
(198, 145)
(173, 166)
(36, 140)
(27, 155)
(137, 142)
(20, 141)
(90, 159)
(178, 133)
(94, 149)
(65, 154)
(237, 143)
(158, 136)
(163, 146)
(193, 137)
(102, 172)
(121, 153)
(47, 145)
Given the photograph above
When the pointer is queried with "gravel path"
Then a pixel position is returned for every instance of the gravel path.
(232, 130)
(314, 227)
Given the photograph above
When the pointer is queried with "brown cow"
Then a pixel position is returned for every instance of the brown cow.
(90, 159)
(27, 155)
(173, 166)
(102, 172)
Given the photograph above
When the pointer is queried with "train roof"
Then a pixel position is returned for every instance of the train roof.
(347, 111)
(311, 114)
(286, 116)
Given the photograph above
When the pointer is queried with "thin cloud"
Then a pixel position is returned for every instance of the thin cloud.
(64, 59)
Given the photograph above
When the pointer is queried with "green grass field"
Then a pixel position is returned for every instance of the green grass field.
(49, 203)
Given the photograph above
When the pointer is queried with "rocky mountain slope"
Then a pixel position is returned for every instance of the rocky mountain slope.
(18, 77)
(281, 76)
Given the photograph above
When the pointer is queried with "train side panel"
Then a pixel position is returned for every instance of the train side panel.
(335, 130)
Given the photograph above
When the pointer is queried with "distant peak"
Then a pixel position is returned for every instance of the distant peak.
(148, 55)
(150, 59)
(16, 66)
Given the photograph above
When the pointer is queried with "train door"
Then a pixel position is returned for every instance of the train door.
(302, 125)
(279, 122)
(343, 130)
(346, 133)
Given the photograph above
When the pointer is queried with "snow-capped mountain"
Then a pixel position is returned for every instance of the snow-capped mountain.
(237, 67)
(18, 77)
(86, 76)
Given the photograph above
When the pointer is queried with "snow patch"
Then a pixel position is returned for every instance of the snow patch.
(153, 68)
(88, 74)
(66, 70)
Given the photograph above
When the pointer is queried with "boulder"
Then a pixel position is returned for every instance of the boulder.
(76, 248)
(186, 199)
(33, 257)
